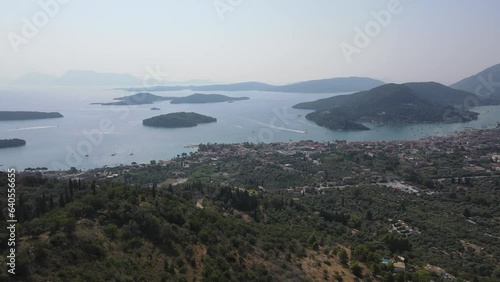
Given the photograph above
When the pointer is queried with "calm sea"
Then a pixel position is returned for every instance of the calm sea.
(94, 136)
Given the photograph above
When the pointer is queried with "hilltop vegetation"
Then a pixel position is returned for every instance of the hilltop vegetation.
(180, 119)
(392, 103)
(139, 227)
(219, 225)
(27, 115)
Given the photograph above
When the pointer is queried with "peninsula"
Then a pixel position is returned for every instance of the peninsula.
(426, 102)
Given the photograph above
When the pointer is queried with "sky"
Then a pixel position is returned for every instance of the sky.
(278, 41)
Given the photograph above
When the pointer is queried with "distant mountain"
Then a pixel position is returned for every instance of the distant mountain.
(79, 78)
(333, 85)
(198, 98)
(427, 102)
(432, 92)
(243, 86)
(485, 83)
(19, 115)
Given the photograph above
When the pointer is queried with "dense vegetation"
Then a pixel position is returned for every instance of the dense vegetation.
(335, 118)
(9, 143)
(181, 119)
(20, 115)
(205, 98)
(392, 103)
(306, 216)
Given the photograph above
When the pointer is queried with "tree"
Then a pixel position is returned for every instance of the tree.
(93, 187)
(71, 190)
(66, 195)
(344, 258)
(51, 202)
(356, 269)
(154, 190)
(61, 201)
(467, 213)
(369, 215)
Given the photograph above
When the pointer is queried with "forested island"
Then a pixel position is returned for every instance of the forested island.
(408, 103)
(26, 115)
(198, 98)
(136, 99)
(176, 120)
(11, 143)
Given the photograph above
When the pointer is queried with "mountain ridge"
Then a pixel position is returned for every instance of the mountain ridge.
(328, 85)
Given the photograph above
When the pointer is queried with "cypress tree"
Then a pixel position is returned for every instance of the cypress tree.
(51, 202)
(66, 195)
(71, 190)
(43, 203)
(61, 201)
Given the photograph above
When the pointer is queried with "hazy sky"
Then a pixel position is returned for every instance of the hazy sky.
(276, 41)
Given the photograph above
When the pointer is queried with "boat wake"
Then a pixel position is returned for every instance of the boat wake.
(277, 127)
(33, 128)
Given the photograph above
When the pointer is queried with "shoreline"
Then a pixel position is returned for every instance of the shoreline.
(453, 136)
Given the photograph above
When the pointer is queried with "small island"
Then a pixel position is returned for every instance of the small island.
(198, 98)
(136, 99)
(11, 143)
(24, 115)
(148, 98)
(177, 120)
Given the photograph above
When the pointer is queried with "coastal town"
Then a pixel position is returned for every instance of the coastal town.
(365, 187)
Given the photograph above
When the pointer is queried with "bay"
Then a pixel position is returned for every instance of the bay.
(114, 135)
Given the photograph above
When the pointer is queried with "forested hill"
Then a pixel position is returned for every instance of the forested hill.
(393, 103)
(336, 211)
